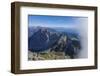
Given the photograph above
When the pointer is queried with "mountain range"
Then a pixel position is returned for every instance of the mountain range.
(43, 38)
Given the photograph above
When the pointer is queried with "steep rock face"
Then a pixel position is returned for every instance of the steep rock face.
(69, 45)
(42, 40)
(60, 44)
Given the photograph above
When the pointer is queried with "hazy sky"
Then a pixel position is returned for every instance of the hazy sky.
(55, 21)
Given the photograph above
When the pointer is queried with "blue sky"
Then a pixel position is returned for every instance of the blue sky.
(55, 21)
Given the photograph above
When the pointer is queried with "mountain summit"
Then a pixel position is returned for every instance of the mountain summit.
(42, 39)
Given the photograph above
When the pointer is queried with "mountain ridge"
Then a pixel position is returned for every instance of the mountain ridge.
(44, 38)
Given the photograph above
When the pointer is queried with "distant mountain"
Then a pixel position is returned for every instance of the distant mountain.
(32, 30)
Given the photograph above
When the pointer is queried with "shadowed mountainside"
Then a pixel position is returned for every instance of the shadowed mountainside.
(43, 40)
